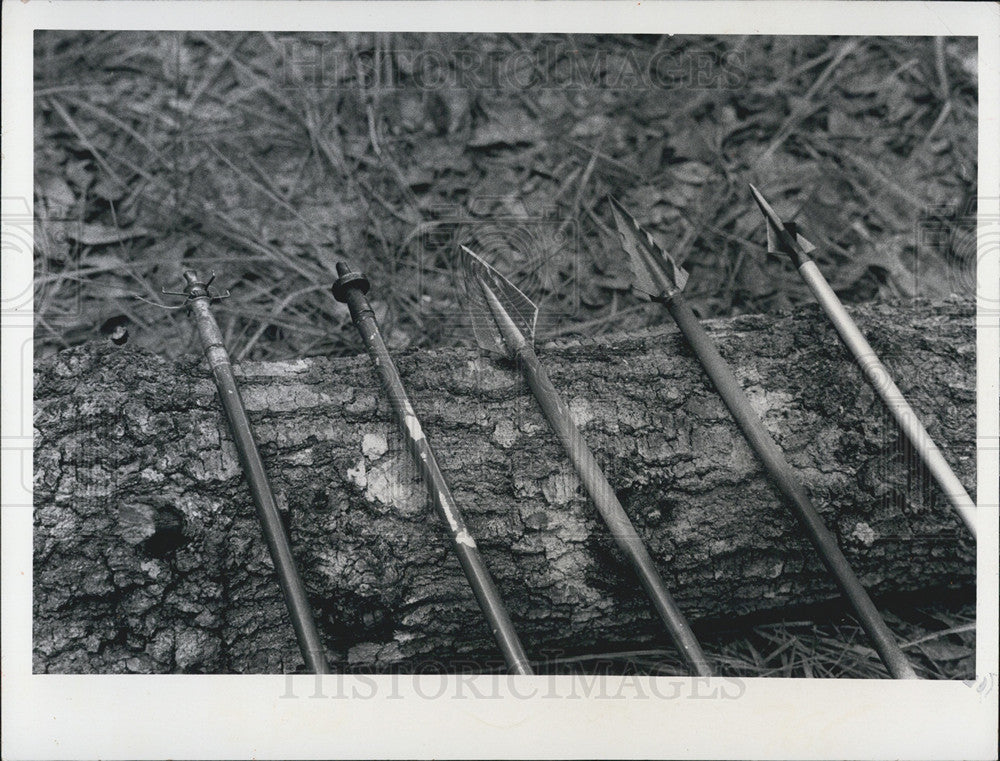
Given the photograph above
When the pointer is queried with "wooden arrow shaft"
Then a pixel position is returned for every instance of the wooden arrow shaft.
(462, 542)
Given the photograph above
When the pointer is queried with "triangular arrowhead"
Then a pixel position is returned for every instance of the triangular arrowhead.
(655, 273)
(774, 224)
(763, 205)
(775, 245)
(628, 231)
(773, 238)
(805, 245)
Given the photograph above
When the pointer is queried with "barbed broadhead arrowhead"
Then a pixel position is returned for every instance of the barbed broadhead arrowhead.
(503, 318)
(656, 273)
(782, 237)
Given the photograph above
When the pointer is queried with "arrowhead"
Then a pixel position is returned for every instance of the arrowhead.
(770, 214)
(656, 274)
(503, 318)
(782, 237)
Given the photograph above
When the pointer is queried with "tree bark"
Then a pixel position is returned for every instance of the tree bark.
(148, 557)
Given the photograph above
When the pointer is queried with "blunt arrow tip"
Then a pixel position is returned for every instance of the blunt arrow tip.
(347, 280)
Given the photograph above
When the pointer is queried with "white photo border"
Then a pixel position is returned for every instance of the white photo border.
(49, 716)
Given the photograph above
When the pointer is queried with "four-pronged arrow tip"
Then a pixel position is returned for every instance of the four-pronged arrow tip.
(347, 280)
(195, 287)
(194, 281)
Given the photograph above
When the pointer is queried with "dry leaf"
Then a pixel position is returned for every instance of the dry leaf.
(506, 133)
(95, 234)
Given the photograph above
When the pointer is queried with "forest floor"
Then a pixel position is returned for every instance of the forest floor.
(266, 158)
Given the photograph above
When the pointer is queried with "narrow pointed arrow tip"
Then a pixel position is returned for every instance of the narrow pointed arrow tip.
(765, 208)
(470, 254)
(616, 206)
(780, 233)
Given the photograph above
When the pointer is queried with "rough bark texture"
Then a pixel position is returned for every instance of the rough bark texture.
(148, 557)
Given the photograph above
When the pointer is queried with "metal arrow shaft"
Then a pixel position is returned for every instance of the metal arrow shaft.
(878, 376)
(651, 265)
(610, 509)
(782, 238)
(462, 542)
(790, 486)
(597, 486)
(260, 488)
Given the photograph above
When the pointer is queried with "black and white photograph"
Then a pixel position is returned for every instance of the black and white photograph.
(635, 365)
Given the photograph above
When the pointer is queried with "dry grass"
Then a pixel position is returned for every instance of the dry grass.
(161, 151)
(939, 641)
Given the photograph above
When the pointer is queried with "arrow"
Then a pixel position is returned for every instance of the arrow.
(782, 237)
(200, 295)
(670, 294)
(504, 321)
(351, 288)
(874, 371)
(656, 273)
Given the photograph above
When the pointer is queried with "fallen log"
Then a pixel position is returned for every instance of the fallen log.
(148, 557)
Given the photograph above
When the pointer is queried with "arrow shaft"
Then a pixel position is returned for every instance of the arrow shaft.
(878, 376)
(610, 508)
(790, 486)
(260, 488)
(462, 542)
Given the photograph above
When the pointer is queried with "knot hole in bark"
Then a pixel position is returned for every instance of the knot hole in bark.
(168, 534)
